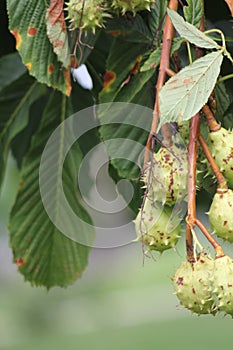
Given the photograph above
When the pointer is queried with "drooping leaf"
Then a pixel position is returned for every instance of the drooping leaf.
(139, 91)
(186, 92)
(130, 86)
(11, 68)
(194, 11)
(190, 32)
(138, 191)
(122, 63)
(154, 59)
(156, 18)
(15, 102)
(27, 24)
(124, 130)
(45, 256)
(21, 142)
(57, 32)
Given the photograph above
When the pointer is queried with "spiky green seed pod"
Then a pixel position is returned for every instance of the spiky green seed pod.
(132, 5)
(157, 226)
(166, 175)
(221, 215)
(87, 16)
(183, 129)
(205, 178)
(221, 146)
(192, 285)
(222, 280)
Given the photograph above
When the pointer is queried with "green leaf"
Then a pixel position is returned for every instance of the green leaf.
(21, 143)
(45, 256)
(27, 24)
(122, 63)
(130, 29)
(154, 59)
(141, 92)
(11, 69)
(137, 88)
(186, 92)
(15, 102)
(194, 11)
(156, 17)
(191, 33)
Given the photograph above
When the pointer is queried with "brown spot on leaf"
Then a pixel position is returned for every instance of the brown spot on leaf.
(20, 262)
(50, 68)
(114, 32)
(21, 183)
(55, 13)
(136, 66)
(109, 78)
(29, 65)
(58, 43)
(31, 31)
(67, 81)
(18, 37)
(74, 62)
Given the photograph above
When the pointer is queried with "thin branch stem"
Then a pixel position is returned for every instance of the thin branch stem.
(170, 72)
(210, 118)
(164, 66)
(222, 183)
(192, 165)
(218, 249)
(226, 77)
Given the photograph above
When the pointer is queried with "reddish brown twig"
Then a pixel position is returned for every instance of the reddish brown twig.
(212, 123)
(163, 69)
(222, 183)
(218, 249)
(192, 165)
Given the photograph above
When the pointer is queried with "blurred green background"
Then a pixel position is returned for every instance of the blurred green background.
(118, 303)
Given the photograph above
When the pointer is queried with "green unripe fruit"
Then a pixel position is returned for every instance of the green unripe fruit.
(221, 215)
(223, 284)
(132, 5)
(157, 227)
(221, 146)
(192, 285)
(88, 17)
(205, 178)
(166, 175)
